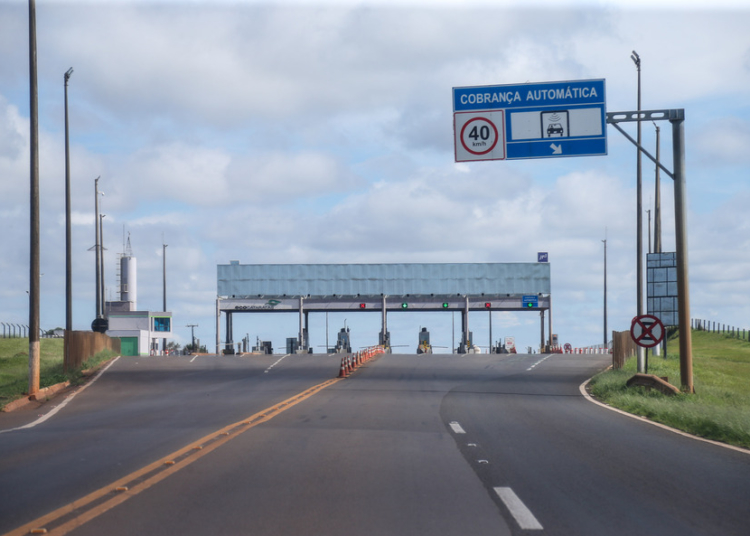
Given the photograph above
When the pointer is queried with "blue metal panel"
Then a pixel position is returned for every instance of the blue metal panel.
(376, 279)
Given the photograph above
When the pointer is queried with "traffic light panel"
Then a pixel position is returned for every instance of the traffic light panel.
(362, 305)
(530, 305)
(487, 305)
(445, 305)
(404, 305)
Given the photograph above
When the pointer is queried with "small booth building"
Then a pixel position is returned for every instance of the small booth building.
(140, 332)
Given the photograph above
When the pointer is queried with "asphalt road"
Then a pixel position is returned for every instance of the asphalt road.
(428, 444)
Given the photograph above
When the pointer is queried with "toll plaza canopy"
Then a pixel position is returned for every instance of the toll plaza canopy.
(237, 280)
(464, 287)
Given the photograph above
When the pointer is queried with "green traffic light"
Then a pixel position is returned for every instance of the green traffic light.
(445, 306)
(404, 305)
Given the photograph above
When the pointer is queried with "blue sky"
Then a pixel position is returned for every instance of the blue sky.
(312, 132)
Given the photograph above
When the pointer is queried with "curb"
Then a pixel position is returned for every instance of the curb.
(587, 396)
(40, 396)
(46, 393)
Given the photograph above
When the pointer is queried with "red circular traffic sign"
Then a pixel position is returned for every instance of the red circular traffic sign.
(481, 138)
(647, 330)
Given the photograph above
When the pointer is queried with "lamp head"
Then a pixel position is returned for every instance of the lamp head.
(636, 59)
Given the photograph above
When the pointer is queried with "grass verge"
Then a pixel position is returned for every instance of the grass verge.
(14, 366)
(720, 407)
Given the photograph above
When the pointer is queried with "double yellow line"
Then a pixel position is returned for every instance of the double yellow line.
(75, 514)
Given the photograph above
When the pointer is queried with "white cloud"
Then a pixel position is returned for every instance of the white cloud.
(724, 141)
(322, 132)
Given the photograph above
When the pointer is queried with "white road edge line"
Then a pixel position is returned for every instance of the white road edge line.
(587, 396)
(277, 362)
(518, 510)
(194, 358)
(456, 428)
(57, 408)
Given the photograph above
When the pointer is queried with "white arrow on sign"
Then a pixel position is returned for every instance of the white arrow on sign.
(556, 149)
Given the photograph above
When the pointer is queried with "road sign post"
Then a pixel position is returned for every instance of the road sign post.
(677, 118)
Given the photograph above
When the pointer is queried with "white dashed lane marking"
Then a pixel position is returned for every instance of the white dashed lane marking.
(456, 428)
(518, 510)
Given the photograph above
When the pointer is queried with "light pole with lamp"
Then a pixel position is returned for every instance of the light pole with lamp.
(101, 262)
(606, 339)
(68, 253)
(639, 225)
(164, 274)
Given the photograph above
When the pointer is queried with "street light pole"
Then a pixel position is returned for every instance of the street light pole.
(606, 339)
(68, 246)
(657, 196)
(164, 274)
(639, 215)
(96, 248)
(101, 262)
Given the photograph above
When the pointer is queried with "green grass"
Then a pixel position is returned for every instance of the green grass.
(720, 407)
(14, 366)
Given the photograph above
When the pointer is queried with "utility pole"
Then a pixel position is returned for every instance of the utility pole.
(192, 335)
(34, 354)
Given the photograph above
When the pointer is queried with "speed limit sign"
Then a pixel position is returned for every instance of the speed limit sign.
(480, 136)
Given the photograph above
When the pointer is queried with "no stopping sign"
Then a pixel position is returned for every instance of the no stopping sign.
(647, 331)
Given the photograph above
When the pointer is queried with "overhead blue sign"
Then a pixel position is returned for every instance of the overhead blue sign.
(543, 120)
(530, 301)
(542, 256)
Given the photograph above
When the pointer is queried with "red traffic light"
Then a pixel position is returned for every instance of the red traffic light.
(487, 305)
(362, 305)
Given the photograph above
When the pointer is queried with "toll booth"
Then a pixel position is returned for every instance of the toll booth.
(423, 347)
(385, 340)
(343, 344)
(464, 347)
(292, 344)
(263, 347)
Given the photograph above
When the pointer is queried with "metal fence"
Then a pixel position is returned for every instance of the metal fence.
(21, 331)
(717, 327)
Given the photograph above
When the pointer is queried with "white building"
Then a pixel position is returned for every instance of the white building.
(138, 331)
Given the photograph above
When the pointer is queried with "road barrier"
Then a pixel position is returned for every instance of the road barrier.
(350, 362)
(82, 345)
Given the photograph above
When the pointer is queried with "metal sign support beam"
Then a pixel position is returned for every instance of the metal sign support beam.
(677, 118)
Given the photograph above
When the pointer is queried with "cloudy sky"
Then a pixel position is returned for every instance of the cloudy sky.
(321, 132)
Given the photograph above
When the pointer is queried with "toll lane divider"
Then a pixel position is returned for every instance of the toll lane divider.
(589, 350)
(583, 350)
(351, 362)
(75, 514)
